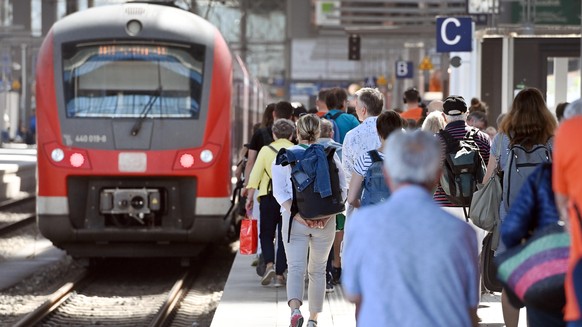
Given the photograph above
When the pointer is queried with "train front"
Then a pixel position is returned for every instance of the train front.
(133, 107)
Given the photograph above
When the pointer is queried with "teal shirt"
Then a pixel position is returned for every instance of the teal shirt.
(344, 122)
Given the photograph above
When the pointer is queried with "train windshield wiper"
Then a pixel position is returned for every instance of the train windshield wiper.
(145, 111)
(148, 107)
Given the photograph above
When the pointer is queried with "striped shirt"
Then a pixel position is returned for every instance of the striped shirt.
(364, 162)
(458, 129)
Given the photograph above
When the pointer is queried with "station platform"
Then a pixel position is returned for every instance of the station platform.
(245, 303)
(17, 171)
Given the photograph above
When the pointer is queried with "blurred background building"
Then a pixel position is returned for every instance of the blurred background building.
(296, 47)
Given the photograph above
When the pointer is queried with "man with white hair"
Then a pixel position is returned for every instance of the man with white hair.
(455, 110)
(364, 137)
(422, 267)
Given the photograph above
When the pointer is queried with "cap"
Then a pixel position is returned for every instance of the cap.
(454, 105)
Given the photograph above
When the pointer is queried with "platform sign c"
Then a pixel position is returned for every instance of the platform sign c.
(454, 34)
(404, 69)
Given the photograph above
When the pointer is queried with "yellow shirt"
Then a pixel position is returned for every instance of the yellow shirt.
(261, 172)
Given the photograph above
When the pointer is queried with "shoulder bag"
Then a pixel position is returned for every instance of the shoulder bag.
(484, 209)
(535, 271)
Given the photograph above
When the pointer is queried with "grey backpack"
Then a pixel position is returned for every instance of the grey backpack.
(521, 162)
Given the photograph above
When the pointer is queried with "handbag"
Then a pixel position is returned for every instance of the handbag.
(484, 209)
(248, 236)
(535, 271)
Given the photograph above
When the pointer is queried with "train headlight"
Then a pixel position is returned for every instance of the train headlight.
(133, 27)
(206, 156)
(57, 155)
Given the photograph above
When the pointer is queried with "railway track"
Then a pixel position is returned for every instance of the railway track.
(6, 204)
(97, 298)
(10, 226)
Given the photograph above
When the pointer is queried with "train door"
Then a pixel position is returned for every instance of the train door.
(510, 63)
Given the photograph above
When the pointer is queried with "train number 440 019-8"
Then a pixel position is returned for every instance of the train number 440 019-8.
(90, 138)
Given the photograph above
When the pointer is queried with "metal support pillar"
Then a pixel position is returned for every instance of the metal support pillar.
(21, 13)
(49, 15)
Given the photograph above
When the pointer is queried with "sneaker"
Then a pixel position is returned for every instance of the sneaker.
(329, 287)
(267, 277)
(336, 274)
(279, 281)
(296, 318)
(311, 323)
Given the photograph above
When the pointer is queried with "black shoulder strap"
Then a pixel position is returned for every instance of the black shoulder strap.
(329, 151)
(451, 144)
(273, 148)
(337, 114)
(375, 155)
(470, 135)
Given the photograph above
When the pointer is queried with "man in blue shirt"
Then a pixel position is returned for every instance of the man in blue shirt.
(336, 100)
(408, 262)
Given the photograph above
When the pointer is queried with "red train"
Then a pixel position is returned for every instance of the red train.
(141, 110)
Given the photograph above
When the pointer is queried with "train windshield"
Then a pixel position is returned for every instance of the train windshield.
(125, 81)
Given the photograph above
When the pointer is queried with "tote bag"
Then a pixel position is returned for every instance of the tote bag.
(484, 210)
(535, 271)
(248, 236)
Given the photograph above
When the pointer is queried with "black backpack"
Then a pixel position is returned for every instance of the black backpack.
(307, 199)
(463, 168)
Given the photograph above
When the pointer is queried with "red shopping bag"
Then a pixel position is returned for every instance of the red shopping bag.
(248, 236)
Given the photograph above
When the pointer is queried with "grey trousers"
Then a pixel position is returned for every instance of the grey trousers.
(316, 242)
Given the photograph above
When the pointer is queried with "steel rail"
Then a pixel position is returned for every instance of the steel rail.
(10, 227)
(177, 292)
(53, 302)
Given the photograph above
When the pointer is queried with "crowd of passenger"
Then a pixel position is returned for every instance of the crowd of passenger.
(404, 252)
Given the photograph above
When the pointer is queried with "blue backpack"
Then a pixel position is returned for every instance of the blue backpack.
(336, 130)
(374, 185)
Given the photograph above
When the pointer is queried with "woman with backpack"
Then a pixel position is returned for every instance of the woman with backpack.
(367, 185)
(528, 124)
(303, 236)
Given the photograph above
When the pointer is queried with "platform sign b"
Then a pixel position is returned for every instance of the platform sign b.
(404, 69)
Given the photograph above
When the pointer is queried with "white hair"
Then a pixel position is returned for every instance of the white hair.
(434, 122)
(412, 157)
(573, 109)
(435, 105)
(453, 118)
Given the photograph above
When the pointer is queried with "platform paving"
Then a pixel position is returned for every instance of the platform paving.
(245, 303)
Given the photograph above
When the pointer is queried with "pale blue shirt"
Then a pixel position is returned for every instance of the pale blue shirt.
(358, 141)
(412, 263)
